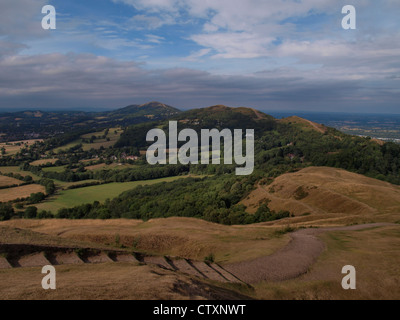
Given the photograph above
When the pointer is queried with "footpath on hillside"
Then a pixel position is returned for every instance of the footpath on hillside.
(291, 261)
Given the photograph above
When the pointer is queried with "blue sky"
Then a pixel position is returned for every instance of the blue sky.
(270, 55)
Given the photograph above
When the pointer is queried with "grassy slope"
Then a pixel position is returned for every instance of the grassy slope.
(183, 237)
(330, 194)
(304, 124)
(374, 252)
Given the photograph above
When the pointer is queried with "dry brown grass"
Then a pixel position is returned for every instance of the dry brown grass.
(43, 161)
(17, 170)
(10, 194)
(183, 237)
(8, 181)
(374, 252)
(378, 141)
(319, 193)
(305, 124)
(111, 281)
(11, 235)
(96, 167)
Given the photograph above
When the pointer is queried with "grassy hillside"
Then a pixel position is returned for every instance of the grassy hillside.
(183, 237)
(304, 124)
(373, 251)
(321, 193)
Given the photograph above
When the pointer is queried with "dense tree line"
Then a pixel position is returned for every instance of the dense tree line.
(288, 147)
(145, 172)
(214, 199)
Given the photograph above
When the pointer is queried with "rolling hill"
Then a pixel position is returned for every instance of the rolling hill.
(318, 193)
(304, 124)
(41, 124)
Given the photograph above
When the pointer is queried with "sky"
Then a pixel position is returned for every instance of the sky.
(286, 55)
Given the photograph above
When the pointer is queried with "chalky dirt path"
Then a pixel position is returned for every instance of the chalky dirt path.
(292, 260)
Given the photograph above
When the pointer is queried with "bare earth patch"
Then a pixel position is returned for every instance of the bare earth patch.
(291, 261)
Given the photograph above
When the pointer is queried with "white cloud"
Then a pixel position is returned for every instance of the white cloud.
(234, 45)
(246, 28)
(195, 56)
(154, 39)
(149, 22)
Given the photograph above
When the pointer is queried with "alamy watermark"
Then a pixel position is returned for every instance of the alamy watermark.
(349, 281)
(349, 21)
(193, 153)
(49, 21)
(49, 281)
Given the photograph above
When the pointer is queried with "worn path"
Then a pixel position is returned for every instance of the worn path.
(291, 261)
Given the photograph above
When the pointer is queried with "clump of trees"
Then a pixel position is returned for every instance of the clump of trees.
(33, 213)
(6, 211)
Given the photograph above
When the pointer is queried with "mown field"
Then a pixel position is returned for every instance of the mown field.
(43, 162)
(10, 194)
(8, 181)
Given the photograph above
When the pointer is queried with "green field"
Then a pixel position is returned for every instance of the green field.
(54, 169)
(74, 197)
(113, 166)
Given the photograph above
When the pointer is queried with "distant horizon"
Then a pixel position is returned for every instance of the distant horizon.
(269, 112)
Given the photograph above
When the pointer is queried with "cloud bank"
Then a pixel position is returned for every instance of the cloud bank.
(267, 54)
